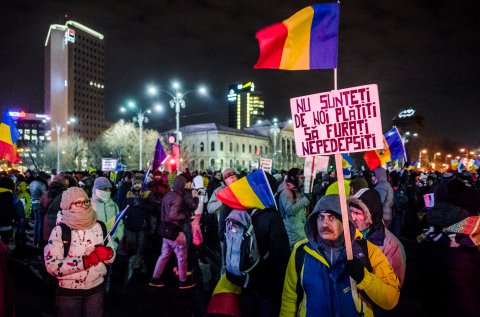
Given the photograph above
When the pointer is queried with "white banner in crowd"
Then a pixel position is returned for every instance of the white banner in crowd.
(339, 121)
(266, 164)
(109, 164)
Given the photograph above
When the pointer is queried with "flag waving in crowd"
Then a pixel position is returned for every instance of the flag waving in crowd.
(306, 40)
(8, 136)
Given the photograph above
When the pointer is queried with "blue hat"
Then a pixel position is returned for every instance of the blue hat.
(101, 183)
(346, 173)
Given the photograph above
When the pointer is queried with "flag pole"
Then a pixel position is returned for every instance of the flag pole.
(341, 193)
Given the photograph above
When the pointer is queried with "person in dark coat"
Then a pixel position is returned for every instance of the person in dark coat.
(50, 202)
(8, 211)
(263, 294)
(173, 212)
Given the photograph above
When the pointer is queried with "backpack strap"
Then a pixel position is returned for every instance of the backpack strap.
(104, 231)
(299, 259)
(67, 236)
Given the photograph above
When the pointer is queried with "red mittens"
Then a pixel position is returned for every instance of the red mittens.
(90, 260)
(104, 253)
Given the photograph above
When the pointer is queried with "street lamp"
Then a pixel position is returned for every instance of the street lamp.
(275, 134)
(177, 102)
(140, 117)
(420, 157)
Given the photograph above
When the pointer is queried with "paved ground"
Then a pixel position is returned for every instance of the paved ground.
(429, 289)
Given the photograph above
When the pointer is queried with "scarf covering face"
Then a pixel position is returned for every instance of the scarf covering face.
(79, 219)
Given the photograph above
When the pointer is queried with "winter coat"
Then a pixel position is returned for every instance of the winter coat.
(214, 205)
(106, 212)
(383, 238)
(37, 188)
(326, 286)
(7, 212)
(172, 205)
(273, 245)
(385, 190)
(70, 271)
(24, 196)
(292, 207)
(137, 215)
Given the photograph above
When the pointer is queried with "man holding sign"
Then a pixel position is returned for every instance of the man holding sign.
(320, 281)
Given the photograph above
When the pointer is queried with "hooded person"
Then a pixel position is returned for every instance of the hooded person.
(366, 211)
(318, 265)
(81, 272)
(383, 187)
(106, 208)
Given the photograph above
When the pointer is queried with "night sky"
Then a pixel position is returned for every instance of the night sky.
(422, 54)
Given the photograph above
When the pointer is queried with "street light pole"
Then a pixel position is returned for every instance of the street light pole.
(275, 132)
(140, 118)
(177, 102)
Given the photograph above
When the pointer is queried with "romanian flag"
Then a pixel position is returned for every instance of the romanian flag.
(376, 158)
(252, 191)
(225, 299)
(306, 40)
(395, 144)
(8, 136)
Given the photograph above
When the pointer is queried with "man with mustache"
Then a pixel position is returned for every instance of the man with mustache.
(320, 281)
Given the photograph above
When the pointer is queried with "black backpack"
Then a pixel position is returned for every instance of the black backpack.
(67, 236)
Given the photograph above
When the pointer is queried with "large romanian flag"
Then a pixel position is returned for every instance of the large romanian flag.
(252, 191)
(8, 136)
(306, 40)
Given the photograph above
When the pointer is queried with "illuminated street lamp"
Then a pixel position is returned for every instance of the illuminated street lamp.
(420, 157)
(177, 102)
(275, 129)
(141, 118)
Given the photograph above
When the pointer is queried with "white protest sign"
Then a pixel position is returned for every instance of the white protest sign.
(266, 164)
(339, 121)
(109, 164)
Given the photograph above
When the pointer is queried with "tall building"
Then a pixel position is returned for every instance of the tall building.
(75, 80)
(245, 105)
(34, 136)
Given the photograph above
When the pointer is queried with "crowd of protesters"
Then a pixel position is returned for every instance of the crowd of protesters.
(384, 207)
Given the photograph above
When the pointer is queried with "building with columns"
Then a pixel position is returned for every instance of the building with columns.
(215, 146)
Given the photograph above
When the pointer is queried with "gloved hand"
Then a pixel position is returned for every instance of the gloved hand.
(103, 253)
(309, 196)
(90, 260)
(196, 230)
(355, 269)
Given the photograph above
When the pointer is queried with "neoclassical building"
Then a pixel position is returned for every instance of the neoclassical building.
(215, 146)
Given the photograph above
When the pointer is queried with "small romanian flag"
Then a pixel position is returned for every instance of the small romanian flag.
(306, 40)
(252, 191)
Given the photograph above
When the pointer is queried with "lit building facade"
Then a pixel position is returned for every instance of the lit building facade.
(215, 146)
(34, 136)
(245, 105)
(75, 80)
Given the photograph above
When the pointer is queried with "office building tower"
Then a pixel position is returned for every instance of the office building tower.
(75, 80)
(245, 105)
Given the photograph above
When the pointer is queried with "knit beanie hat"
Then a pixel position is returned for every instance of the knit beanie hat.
(228, 172)
(70, 196)
(371, 198)
(101, 183)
